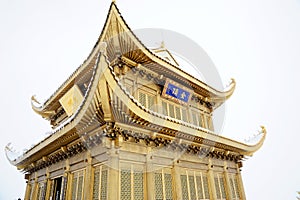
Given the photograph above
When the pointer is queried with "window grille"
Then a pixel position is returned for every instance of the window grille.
(147, 100)
(165, 108)
(171, 111)
(237, 189)
(96, 185)
(125, 185)
(132, 182)
(78, 185)
(184, 115)
(168, 187)
(138, 180)
(198, 119)
(220, 186)
(194, 116)
(74, 188)
(234, 187)
(194, 185)
(217, 185)
(178, 113)
(163, 185)
(184, 187)
(205, 186)
(142, 99)
(158, 186)
(100, 183)
(200, 187)
(174, 111)
(151, 102)
(104, 175)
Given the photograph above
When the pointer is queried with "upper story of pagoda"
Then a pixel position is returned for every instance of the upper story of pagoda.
(153, 77)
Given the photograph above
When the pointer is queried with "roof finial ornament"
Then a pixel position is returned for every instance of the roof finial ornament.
(162, 45)
(113, 1)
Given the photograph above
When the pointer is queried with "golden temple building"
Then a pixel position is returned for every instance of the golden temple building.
(129, 124)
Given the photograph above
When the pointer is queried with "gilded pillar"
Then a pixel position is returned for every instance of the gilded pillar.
(240, 184)
(177, 181)
(211, 181)
(48, 184)
(228, 188)
(28, 190)
(88, 186)
(113, 189)
(69, 181)
(150, 176)
(35, 188)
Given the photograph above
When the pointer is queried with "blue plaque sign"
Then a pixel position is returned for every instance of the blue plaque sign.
(176, 92)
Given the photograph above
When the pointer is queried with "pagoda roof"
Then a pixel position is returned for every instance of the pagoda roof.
(86, 117)
(121, 40)
(96, 108)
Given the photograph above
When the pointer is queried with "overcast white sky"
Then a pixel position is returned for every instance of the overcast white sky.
(254, 41)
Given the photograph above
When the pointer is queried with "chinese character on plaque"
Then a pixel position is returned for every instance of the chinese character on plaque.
(176, 92)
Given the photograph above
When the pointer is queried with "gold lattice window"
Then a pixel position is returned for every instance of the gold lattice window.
(197, 119)
(235, 192)
(178, 113)
(159, 194)
(184, 115)
(143, 99)
(132, 182)
(220, 186)
(151, 101)
(78, 185)
(165, 108)
(194, 185)
(174, 110)
(171, 111)
(163, 184)
(184, 187)
(147, 100)
(100, 183)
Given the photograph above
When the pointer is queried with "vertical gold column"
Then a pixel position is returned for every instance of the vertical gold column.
(28, 190)
(240, 184)
(48, 184)
(177, 182)
(69, 180)
(228, 188)
(35, 187)
(88, 186)
(211, 180)
(149, 176)
(113, 189)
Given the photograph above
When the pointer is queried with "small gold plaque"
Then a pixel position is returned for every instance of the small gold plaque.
(71, 100)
